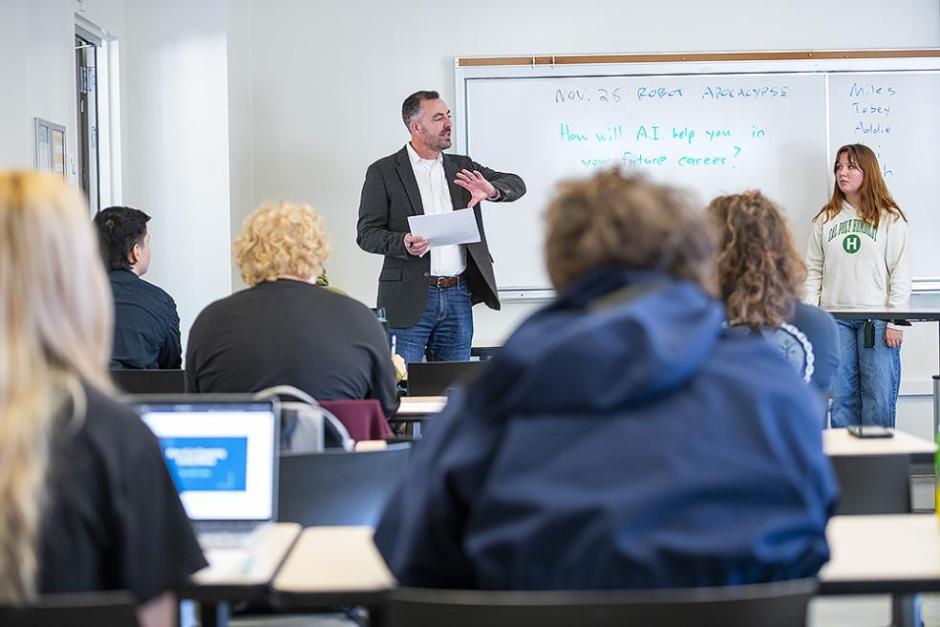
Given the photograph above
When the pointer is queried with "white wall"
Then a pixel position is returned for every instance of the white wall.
(36, 64)
(241, 155)
(174, 85)
(174, 124)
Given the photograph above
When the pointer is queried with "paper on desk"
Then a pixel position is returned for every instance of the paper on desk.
(445, 229)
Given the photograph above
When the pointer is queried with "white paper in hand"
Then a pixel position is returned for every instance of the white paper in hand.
(445, 229)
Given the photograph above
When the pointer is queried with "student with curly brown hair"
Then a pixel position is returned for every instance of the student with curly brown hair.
(760, 279)
(858, 256)
(622, 437)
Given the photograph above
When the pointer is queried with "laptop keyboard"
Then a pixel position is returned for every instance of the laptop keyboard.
(226, 535)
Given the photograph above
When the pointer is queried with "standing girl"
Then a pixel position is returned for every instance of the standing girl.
(858, 257)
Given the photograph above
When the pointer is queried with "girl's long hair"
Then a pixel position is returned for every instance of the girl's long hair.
(55, 334)
(760, 272)
(875, 196)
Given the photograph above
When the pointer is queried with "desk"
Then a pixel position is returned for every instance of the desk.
(890, 554)
(419, 407)
(230, 577)
(894, 553)
(839, 442)
(333, 566)
(897, 553)
(416, 409)
(922, 308)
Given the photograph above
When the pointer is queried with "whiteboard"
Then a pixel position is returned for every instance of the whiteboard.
(715, 128)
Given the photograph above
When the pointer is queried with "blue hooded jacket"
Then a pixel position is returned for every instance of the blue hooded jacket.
(620, 439)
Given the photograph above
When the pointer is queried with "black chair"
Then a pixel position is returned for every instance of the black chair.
(778, 604)
(484, 353)
(338, 487)
(149, 381)
(102, 609)
(873, 484)
(434, 378)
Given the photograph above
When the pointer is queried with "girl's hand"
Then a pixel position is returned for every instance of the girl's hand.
(893, 337)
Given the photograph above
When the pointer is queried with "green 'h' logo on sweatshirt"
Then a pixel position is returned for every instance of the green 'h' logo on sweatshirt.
(851, 244)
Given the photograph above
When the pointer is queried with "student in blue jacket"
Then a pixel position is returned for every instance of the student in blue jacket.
(621, 438)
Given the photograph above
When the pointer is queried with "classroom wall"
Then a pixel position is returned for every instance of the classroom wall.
(36, 64)
(175, 144)
(174, 103)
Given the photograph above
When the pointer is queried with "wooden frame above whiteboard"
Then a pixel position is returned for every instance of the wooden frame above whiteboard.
(678, 57)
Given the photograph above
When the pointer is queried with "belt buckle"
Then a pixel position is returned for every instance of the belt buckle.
(441, 282)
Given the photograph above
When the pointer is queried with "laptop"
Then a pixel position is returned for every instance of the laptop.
(434, 378)
(221, 451)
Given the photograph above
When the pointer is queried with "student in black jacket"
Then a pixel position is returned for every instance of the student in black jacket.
(285, 329)
(86, 500)
(146, 324)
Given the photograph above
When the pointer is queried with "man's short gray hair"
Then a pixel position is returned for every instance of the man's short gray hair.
(412, 105)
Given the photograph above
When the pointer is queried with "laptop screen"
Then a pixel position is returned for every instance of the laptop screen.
(221, 454)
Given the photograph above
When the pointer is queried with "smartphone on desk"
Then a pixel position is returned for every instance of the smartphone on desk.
(871, 431)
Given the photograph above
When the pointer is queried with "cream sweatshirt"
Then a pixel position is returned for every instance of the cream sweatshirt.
(850, 263)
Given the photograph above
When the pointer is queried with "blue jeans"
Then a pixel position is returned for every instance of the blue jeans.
(444, 331)
(865, 389)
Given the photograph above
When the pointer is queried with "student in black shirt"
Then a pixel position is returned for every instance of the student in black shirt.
(284, 329)
(86, 500)
(146, 325)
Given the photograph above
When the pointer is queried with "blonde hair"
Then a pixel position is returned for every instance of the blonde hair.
(615, 220)
(281, 239)
(55, 333)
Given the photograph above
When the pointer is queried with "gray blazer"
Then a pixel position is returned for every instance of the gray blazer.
(389, 195)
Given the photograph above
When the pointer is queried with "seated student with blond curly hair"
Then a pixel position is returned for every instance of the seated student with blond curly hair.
(285, 329)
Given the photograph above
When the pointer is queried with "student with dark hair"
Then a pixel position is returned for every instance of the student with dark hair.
(622, 437)
(146, 324)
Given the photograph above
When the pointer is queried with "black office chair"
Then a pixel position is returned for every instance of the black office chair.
(873, 484)
(104, 609)
(149, 381)
(778, 604)
(434, 378)
(338, 487)
(484, 353)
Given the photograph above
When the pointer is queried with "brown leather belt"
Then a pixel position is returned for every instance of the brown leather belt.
(444, 281)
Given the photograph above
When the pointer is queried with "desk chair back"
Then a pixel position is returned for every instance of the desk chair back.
(434, 378)
(110, 609)
(339, 487)
(778, 604)
(873, 484)
(149, 381)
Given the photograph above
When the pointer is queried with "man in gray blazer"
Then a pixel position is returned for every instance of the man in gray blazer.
(427, 297)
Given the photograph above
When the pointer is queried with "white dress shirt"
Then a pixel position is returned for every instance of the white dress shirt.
(435, 197)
